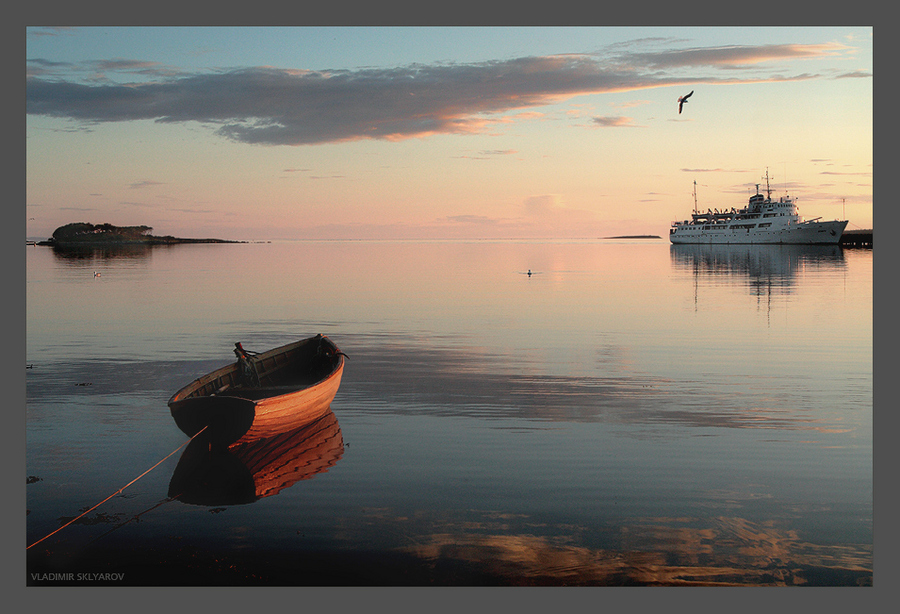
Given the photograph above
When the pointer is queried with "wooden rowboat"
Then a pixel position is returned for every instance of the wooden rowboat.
(262, 395)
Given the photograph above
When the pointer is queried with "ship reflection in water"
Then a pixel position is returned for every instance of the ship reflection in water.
(766, 269)
(251, 469)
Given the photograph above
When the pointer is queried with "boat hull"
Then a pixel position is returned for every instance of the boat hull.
(806, 233)
(300, 390)
(274, 415)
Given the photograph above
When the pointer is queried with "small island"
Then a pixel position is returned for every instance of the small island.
(635, 237)
(83, 234)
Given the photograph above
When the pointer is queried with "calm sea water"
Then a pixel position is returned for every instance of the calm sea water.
(632, 413)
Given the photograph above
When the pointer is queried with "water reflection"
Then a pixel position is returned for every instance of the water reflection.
(766, 269)
(108, 252)
(727, 551)
(557, 430)
(469, 382)
(251, 469)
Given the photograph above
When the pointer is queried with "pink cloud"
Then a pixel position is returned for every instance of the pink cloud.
(615, 121)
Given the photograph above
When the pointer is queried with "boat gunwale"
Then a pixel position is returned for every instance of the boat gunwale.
(184, 394)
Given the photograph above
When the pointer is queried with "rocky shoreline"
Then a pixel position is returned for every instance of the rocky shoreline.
(166, 240)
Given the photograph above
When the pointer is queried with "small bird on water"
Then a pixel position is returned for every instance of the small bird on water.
(682, 100)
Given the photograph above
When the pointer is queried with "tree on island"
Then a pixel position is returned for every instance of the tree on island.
(83, 232)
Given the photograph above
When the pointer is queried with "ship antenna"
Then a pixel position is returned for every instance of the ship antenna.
(695, 196)
(768, 189)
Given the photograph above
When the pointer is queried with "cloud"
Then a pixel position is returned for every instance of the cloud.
(615, 121)
(479, 220)
(137, 185)
(856, 74)
(50, 31)
(274, 106)
(543, 204)
(40, 67)
(98, 71)
(487, 154)
(125, 65)
(735, 56)
(631, 103)
(526, 115)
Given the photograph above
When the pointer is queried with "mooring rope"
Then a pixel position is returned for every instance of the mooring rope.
(118, 491)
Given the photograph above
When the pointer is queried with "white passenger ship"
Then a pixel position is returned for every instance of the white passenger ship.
(763, 220)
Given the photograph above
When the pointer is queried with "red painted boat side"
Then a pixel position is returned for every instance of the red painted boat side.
(286, 412)
(218, 400)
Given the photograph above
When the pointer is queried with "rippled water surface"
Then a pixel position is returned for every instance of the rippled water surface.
(631, 413)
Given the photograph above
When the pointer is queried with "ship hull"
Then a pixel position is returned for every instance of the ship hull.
(806, 233)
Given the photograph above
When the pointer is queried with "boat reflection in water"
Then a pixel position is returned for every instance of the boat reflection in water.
(252, 468)
(766, 269)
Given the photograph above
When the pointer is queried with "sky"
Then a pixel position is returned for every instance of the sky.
(268, 133)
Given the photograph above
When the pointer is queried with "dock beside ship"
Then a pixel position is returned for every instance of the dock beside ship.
(856, 238)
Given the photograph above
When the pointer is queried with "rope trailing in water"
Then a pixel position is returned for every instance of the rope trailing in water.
(136, 517)
(117, 492)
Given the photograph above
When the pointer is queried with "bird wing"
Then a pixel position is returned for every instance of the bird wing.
(689, 95)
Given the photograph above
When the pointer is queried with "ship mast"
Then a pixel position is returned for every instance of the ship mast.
(695, 196)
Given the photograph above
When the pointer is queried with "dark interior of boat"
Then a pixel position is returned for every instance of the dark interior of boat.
(271, 376)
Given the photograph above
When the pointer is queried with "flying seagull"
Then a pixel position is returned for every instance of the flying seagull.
(682, 100)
